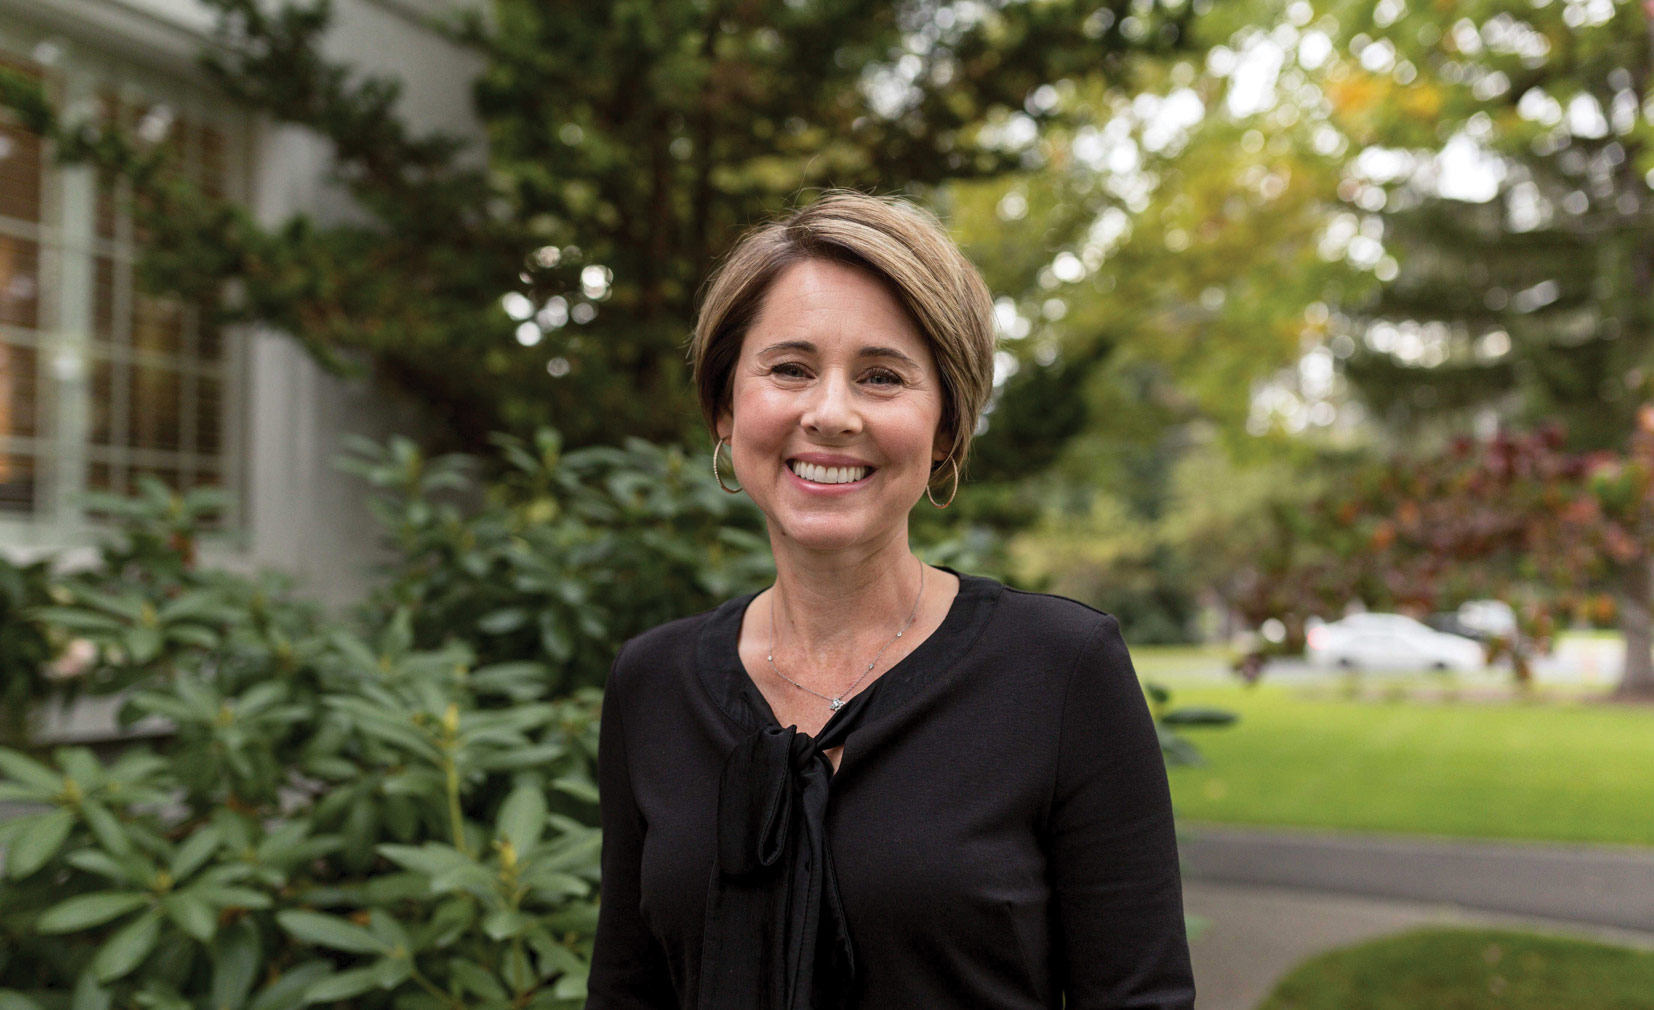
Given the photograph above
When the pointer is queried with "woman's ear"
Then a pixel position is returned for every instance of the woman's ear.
(943, 445)
(726, 423)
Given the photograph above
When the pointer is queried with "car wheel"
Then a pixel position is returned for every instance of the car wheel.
(1438, 667)
(1344, 663)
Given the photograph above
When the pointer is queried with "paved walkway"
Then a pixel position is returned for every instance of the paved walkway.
(1272, 898)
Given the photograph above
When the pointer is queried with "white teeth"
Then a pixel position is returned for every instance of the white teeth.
(828, 474)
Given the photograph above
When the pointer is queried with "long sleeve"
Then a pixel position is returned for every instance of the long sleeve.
(1113, 851)
(629, 968)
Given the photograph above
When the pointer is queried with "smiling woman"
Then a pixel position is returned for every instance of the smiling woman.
(887, 785)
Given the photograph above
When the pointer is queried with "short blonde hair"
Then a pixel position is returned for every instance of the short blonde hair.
(891, 239)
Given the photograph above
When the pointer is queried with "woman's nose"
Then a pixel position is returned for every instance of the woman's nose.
(832, 407)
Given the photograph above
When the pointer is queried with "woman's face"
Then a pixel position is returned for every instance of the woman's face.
(833, 375)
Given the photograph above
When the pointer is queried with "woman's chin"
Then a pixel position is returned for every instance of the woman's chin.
(829, 533)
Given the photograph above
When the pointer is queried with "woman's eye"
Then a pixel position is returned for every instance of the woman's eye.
(788, 369)
(884, 376)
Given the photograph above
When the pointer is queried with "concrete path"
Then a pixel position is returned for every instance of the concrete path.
(1273, 897)
(1598, 885)
(1254, 936)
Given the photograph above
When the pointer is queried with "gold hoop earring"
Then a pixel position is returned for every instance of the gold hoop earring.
(715, 475)
(944, 504)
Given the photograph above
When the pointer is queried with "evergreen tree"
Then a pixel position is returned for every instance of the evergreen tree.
(1534, 305)
(628, 143)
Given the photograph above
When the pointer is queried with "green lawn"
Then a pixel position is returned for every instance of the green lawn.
(1557, 770)
(1440, 969)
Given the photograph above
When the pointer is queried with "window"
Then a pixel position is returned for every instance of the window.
(101, 382)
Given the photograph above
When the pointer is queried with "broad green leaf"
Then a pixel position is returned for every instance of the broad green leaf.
(390, 931)
(30, 772)
(288, 991)
(431, 858)
(194, 852)
(13, 1000)
(502, 622)
(329, 931)
(191, 914)
(556, 959)
(236, 957)
(32, 846)
(76, 619)
(230, 897)
(572, 986)
(260, 697)
(450, 921)
(392, 972)
(102, 864)
(87, 910)
(81, 765)
(342, 986)
(127, 948)
(476, 979)
(474, 878)
(519, 975)
(523, 817)
(88, 994)
(143, 644)
(504, 924)
(106, 827)
(578, 786)
(17, 792)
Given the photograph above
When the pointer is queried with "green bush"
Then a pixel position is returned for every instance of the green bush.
(397, 809)
(25, 648)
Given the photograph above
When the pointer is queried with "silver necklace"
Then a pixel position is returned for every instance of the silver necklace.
(837, 703)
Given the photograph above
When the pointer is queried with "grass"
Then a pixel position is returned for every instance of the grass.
(1556, 770)
(1442, 969)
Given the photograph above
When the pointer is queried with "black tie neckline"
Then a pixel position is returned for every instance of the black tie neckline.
(776, 934)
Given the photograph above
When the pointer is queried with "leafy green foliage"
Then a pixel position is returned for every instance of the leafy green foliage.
(1531, 296)
(399, 808)
(627, 146)
(25, 648)
(1518, 517)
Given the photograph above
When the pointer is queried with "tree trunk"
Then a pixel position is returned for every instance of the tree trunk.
(1637, 622)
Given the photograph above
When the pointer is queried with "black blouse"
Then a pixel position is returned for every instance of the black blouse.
(998, 833)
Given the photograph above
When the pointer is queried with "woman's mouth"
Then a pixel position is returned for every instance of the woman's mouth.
(817, 474)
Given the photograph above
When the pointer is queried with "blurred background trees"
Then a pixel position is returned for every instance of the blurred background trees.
(1232, 246)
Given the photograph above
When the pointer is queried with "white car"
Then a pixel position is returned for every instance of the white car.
(1389, 642)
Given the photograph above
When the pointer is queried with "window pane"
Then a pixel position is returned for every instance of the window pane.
(19, 282)
(17, 390)
(17, 476)
(213, 164)
(167, 475)
(209, 345)
(108, 477)
(19, 174)
(153, 418)
(103, 401)
(105, 213)
(157, 324)
(103, 300)
(209, 415)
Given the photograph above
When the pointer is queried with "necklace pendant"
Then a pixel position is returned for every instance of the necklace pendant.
(836, 704)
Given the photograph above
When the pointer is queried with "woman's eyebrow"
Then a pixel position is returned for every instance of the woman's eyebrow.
(866, 352)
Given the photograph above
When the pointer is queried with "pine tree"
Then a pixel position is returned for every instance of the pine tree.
(1534, 306)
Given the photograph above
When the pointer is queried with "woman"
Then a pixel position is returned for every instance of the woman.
(876, 784)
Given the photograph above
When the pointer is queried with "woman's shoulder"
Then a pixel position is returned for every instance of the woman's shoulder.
(671, 639)
(1055, 617)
